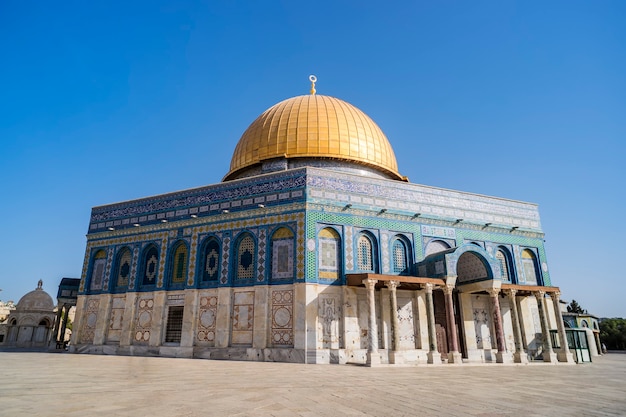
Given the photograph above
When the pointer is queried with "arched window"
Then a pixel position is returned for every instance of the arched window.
(328, 253)
(122, 270)
(504, 260)
(435, 246)
(366, 260)
(529, 262)
(97, 270)
(178, 271)
(150, 266)
(282, 254)
(210, 260)
(400, 256)
(245, 257)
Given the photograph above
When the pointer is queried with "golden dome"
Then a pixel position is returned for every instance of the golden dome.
(314, 126)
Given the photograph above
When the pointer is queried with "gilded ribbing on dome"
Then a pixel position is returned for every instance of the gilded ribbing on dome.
(314, 126)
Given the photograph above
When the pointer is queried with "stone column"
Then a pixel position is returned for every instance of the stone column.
(564, 354)
(453, 354)
(494, 296)
(373, 357)
(434, 357)
(57, 324)
(519, 356)
(548, 353)
(394, 355)
(64, 325)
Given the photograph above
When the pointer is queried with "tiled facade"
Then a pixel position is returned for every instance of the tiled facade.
(272, 266)
(249, 256)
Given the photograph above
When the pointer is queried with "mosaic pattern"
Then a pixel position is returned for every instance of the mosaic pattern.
(225, 256)
(107, 271)
(209, 198)
(348, 232)
(133, 271)
(261, 253)
(90, 320)
(282, 318)
(207, 318)
(162, 263)
(384, 243)
(425, 200)
(143, 321)
(243, 318)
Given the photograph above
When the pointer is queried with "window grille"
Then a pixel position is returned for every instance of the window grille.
(174, 324)
(365, 260)
(504, 267)
(399, 257)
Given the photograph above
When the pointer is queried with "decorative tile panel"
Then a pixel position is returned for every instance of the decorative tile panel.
(282, 318)
(143, 321)
(207, 318)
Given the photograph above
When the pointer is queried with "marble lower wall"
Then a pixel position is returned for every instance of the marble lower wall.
(304, 323)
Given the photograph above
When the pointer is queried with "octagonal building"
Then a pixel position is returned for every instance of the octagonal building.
(315, 249)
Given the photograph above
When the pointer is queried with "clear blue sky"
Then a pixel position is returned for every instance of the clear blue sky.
(119, 100)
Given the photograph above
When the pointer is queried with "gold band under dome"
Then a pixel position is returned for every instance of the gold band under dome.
(314, 126)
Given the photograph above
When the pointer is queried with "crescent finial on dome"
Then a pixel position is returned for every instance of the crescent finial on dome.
(313, 80)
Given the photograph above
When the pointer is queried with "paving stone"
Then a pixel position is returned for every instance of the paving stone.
(43, 384)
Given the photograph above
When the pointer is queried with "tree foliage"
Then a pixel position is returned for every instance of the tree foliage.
(613, 333)
(574, 307)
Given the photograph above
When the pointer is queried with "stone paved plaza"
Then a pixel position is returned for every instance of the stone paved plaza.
(46, 384)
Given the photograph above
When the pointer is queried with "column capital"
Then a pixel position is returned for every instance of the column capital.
(370, 284)
(429, 287)
(493, 292)
(555, 294)
(392, 285)
(448, 288)
(511, 292)
(539, 294)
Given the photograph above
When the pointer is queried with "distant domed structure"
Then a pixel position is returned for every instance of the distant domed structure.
(30, 324)
(36, 300)
(317, 127)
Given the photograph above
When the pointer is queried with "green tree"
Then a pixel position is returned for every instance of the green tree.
(613, 333)
(574, 307)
